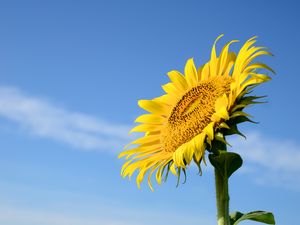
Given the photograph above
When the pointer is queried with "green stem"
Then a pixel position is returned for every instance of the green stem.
(222, 198)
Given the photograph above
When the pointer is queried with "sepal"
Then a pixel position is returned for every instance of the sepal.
(250, 100)
(224, 125)
(220, 137)
(233, 130)
(239, 113)
(241, 119)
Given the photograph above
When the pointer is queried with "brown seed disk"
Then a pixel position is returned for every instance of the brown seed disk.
(193, 112)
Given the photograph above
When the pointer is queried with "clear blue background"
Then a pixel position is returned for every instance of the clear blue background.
(98, 58)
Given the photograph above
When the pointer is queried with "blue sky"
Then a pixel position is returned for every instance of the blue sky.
(71, 73)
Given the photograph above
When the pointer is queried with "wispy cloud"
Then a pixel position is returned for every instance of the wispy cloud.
(12, 215)
(275, 162)
(42, 118)
(15, 216)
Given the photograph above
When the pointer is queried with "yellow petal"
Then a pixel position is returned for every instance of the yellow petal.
(145, 128)
(223, 57)
(159, 172)
(255, 66)
(154, 107)
(140, 177)
(199, 71)
(199, 146)
(178, 80)
(255, 55)
(141, 151)
(125, 165)
(168, 99)
(261, 76)
(150, 119)
(144, 166)
(242, 56)
(159, 164)
(213, 59)
(221, 102)
(172, 169)
(144, 139)
(209, 130)
(190, 72)
(170, 89)
(205, 72)
(131, 168)
(149, 177)
(178, 156)
(255, 79)
(230, 62)
(189, 151)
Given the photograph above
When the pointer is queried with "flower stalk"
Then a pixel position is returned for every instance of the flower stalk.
(222, 197)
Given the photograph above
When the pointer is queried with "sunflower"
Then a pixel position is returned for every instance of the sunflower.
(199, 109)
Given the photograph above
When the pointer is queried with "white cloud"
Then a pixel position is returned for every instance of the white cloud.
(16, 215)
(274, 162)
(41, 118)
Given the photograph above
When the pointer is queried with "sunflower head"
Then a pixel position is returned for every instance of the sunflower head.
(199, 109)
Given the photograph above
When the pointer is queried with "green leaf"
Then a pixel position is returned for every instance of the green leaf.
(259, 216)
(226, 162)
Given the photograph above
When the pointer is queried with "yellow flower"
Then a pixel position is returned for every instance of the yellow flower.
(199, 108)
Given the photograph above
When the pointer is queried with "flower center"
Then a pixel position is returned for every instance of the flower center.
(193, 112)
